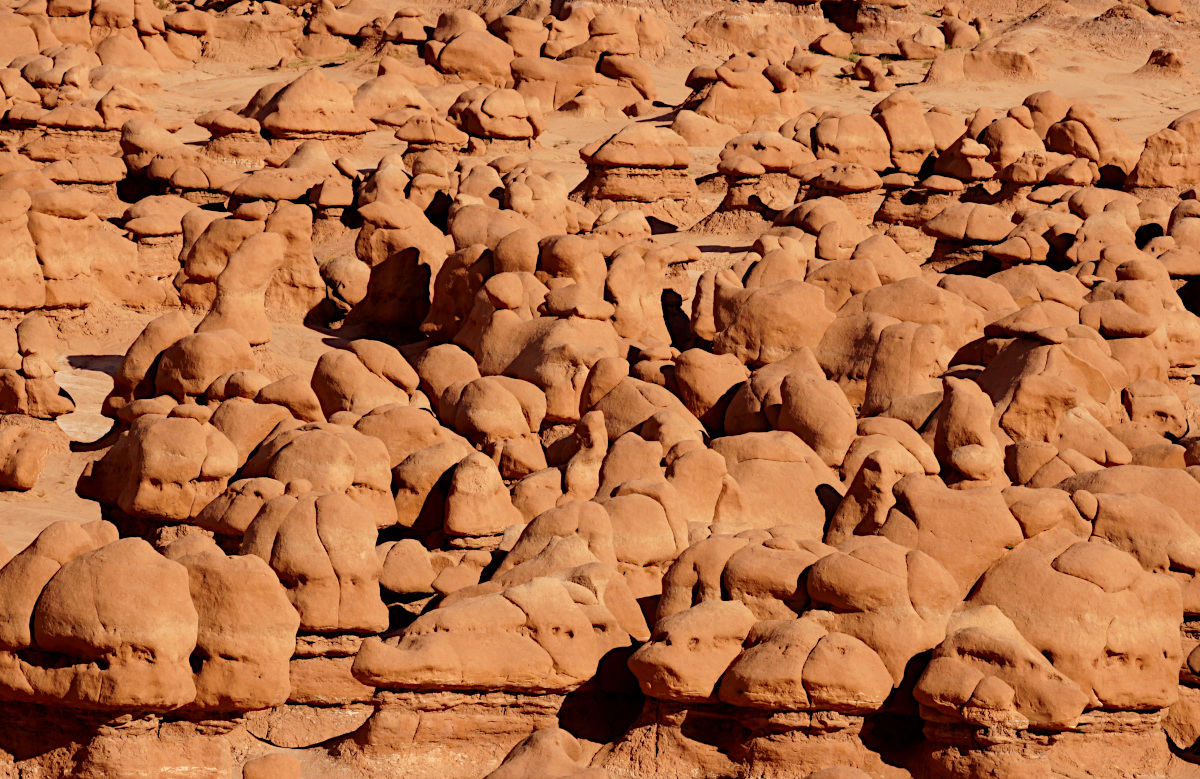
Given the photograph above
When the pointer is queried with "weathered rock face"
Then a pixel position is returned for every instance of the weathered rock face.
(1169, 158)
(156, 636)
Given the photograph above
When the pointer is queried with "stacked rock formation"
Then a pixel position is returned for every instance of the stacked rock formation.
(756, 167)
(643, 168)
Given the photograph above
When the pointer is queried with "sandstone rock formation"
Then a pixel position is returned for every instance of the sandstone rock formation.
(542, 389)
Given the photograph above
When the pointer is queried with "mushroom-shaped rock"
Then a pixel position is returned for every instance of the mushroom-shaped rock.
(638, 167)
(312, 106)
(121, 620)
(546, 634)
